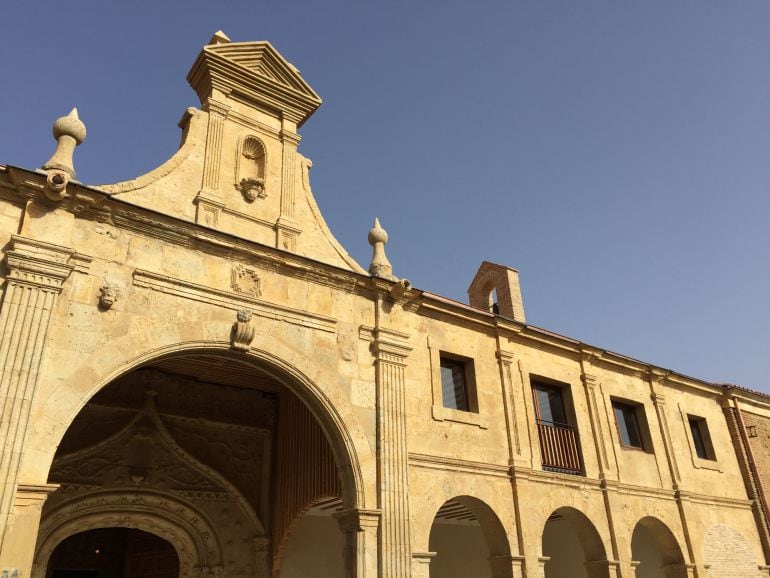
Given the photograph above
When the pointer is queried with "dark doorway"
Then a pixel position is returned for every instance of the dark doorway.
(114, 553)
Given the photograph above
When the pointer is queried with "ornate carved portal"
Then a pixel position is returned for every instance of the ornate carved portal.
(184, 450)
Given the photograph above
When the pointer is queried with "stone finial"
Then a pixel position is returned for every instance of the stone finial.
(69, 132)
(219, 38)
(380, 266)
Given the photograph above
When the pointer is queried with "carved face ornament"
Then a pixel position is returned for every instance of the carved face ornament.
(253, 189)
(108, 295)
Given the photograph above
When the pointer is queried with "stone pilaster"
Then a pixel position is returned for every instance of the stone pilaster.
(36, 274)
(395, 552)
(360, 529)
(286, 228)
(209, 198)
(514, 565)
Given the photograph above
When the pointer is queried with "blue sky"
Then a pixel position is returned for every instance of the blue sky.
(616, 153)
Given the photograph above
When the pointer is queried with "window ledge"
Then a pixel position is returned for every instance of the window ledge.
(441, 413)
(705, 464)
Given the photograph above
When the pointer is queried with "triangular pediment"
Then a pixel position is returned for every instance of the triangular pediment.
(256, 69)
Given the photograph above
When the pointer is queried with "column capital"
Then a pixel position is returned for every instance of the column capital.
(357, 520)
(423, 557)
(289, 137)
(589, 379)
(505, 357)
(655, 375)
(390, 345)
(217, 108)
(38, 264)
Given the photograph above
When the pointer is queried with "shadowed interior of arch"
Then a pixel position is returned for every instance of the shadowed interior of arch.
(468, 539)
(114, 553)
(654, 547)
(210, 440)
(570, 543)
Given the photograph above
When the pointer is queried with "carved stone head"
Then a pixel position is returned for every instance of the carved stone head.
(252, 189)
(108, 295)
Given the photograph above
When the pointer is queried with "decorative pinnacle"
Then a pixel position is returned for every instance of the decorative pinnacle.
(219, 38)
(380, 266)
(69, 132)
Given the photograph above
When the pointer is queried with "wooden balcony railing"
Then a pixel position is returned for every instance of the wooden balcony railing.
(559, 447)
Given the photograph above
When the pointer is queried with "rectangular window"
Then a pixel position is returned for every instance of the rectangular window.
(559, 448)
(701, 438)
(627, 420)
(455, 384)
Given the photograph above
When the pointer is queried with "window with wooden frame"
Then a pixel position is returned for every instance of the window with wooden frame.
(458, 387)
(701, 438)
(631, 425)
(559, 445)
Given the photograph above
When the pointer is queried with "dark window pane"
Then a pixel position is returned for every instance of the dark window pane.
(628, 425)
(453, 390)
(550, 404)
(698, 439)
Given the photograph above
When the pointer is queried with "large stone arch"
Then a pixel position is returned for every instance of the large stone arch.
(345, 436)
(178, 522)
(594, 553)
(654, 544)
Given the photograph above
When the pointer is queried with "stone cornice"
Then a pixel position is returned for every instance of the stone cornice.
(458, 465)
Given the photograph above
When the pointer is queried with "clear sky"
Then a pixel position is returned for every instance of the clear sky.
(615, 152)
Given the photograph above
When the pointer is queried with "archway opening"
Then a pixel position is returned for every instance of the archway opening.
(572, 546)
(113, 553)
(315, 543)
(655, 549)
(222, 454)
(468, 540)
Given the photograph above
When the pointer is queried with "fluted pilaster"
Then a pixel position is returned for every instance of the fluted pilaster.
(395, 551)
(36, 274)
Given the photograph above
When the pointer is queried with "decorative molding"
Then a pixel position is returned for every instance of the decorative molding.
(229, 300)
(458, 465)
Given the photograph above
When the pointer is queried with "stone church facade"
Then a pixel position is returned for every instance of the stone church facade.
(198, 381)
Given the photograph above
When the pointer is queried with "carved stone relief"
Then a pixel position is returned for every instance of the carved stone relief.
(250, 169)
(245, 280)
(163, 453)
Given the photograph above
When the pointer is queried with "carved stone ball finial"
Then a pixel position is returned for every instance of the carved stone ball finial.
(69, 132)
(380, 266)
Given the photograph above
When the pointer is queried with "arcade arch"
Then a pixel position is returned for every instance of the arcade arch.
(572, 546)
(469, 540)
(656, 551)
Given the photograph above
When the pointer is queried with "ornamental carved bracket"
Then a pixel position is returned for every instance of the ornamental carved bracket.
(243, 331)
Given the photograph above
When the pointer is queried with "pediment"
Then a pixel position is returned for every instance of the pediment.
(257, 70)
